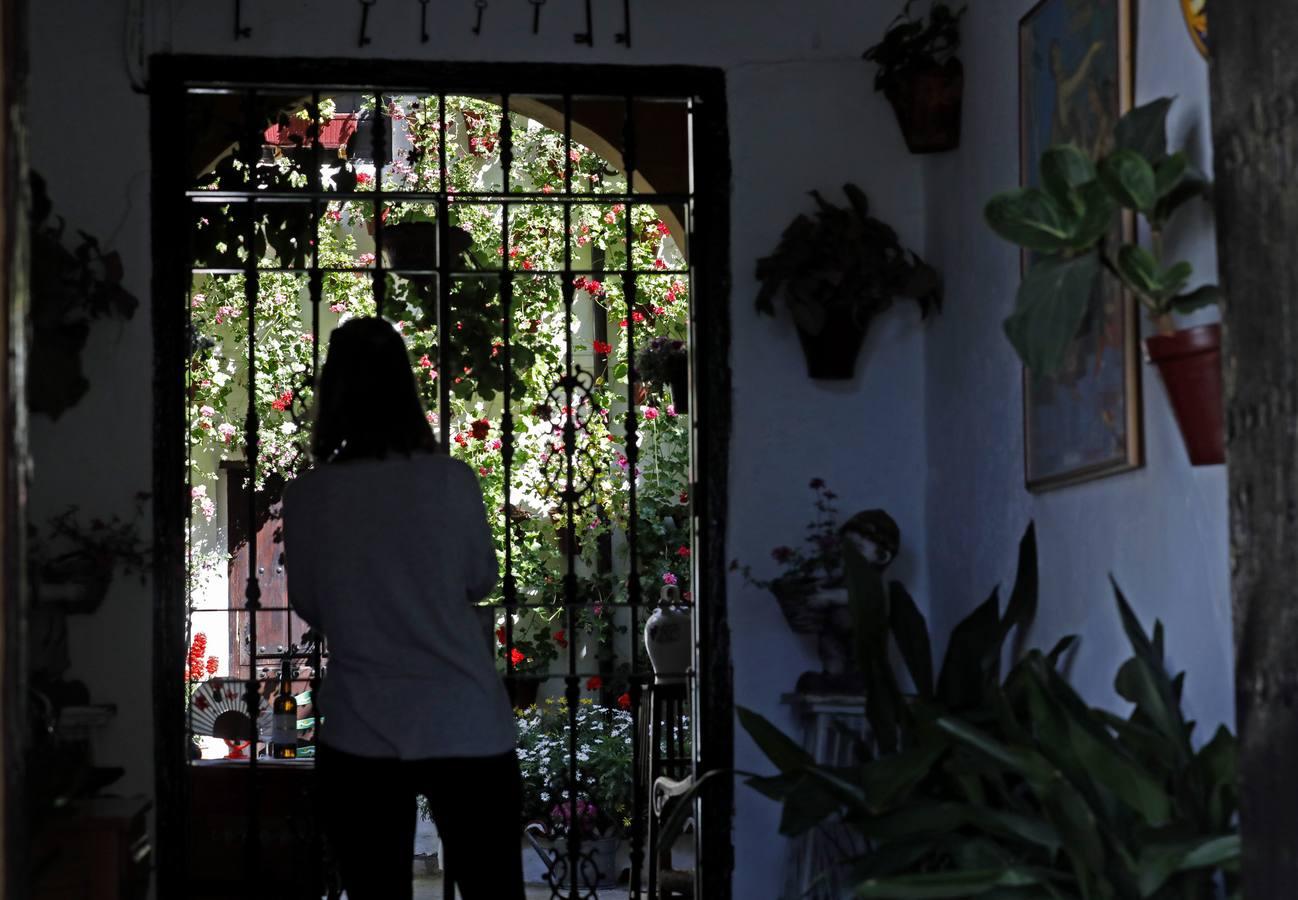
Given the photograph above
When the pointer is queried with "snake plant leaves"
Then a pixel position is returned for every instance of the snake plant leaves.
(1034, 219)
(1129, 178)
(972, 657)
(1143, 130)
(1052, 302)
(910, 631)
(940, 885)
(1022, 607)
(787, 755)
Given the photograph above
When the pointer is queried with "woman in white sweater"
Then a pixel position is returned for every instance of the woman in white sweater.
(387, 548)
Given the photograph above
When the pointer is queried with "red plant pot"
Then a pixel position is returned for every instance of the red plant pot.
(1190, 363)
(928, 103)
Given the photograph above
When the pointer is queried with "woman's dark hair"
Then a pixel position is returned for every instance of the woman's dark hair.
(367, 405)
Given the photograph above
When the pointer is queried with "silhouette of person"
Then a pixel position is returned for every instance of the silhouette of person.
(387, 548)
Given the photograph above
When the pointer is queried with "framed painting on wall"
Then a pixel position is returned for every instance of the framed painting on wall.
(1075, 82)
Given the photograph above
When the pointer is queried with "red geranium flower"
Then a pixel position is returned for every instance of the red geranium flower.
(500, 634)
(517, 657)
(594, 683)
(683, 552)
(624, 701)
(481, 429)
(561, 638)
(603, 347)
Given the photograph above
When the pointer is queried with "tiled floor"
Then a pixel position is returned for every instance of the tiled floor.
(429, 887)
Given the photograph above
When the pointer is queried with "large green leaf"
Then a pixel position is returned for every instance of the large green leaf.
(1193, 184)
(1052, 302)
(1143, 130)
(972, 657)
(1160, 862)
(889, 779)
(1205, 295)
(939, 885)
(785, 754)
(1169, 173)
(1146, 683)
(807, 805)
(1129, 178)
(1031, 218)
(1022, 607)
(1064, 169)
(910, 631)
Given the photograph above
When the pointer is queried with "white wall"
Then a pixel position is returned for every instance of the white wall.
(802, 115)
(1162, 530)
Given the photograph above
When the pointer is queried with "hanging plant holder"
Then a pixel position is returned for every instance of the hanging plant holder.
(928, 103)
(1189, 362)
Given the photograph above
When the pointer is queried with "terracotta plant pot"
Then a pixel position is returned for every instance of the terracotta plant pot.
(1190, 363)
(928, 105)
(831, 354)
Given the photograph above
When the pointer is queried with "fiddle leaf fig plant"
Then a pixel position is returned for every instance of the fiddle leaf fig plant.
(1071, 222)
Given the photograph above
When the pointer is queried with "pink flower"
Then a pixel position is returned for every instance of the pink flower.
(650, 413)
(366, 259)
(364, 178)
(206, 411)
(662, 227)
(669, 578)
(337, 307)
(495, 444)
(425, 362)
(671, 410)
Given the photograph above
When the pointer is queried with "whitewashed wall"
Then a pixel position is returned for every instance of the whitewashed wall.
(802, 115)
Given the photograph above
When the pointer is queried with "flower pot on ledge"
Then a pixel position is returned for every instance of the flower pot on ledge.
(1189, 362)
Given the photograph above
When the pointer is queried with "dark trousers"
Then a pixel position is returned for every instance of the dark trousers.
(369, 812)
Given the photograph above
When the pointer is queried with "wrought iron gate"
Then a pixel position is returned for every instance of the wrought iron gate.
(242, 188)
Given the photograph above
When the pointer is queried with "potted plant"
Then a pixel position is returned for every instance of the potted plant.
(665, 362)
(921, 76)
(604, 800)
(836, 272)
(1070, 225)
(72, 564)
(982, 782)
(811, 590)
(526, 663)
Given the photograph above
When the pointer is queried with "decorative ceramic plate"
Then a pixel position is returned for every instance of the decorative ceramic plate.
(1196, 19)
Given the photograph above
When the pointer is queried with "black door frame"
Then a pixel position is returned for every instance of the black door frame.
(710, 258)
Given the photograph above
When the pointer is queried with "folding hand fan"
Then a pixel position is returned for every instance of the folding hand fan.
(219, 708)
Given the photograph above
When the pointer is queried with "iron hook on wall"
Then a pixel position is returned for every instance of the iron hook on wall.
(365, 22)
(240, 30)
(481, 7)
(624, 36)
(586, 37)
(423, 21)
(536, 15)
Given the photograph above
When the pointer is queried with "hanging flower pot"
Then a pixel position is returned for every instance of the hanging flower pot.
(835, 273)
(921, 77)
(410, 245)
(1189, 362)
(665, 362)
(831, 353)
(928, 104)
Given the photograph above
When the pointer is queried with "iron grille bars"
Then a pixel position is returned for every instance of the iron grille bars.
(572, 389)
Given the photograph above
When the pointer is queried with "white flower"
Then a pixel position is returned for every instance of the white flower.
(288, 428)
(220, 378)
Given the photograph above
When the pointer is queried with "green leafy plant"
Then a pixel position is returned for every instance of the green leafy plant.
(982, 785)
(842, 264)
(71, 289)
(914, 43)
(1071, 225)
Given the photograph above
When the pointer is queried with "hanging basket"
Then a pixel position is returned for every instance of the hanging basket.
(831, 354)
(928, 104)
(1189, 362)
